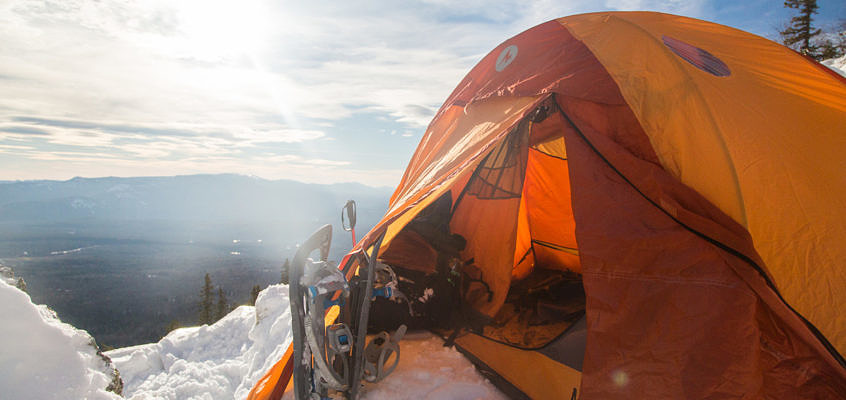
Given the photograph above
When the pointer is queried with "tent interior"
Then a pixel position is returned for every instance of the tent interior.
(492, 263)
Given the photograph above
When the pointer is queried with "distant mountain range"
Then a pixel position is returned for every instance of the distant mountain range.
(176, 209)
(218, 198)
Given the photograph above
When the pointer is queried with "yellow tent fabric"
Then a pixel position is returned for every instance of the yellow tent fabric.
(766, 144)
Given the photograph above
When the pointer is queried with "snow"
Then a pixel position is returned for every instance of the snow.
(71, 251)
(216, 361)
(428, 370)
(7, 275)
(224, 360)
(44, 358)
(837, 64)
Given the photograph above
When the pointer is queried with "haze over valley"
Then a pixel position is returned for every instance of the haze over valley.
(124, 258)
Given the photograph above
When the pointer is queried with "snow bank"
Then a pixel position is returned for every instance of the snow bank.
(220, 361)
(224, 360)
(8, 276)
(44, 358)
(837, 64)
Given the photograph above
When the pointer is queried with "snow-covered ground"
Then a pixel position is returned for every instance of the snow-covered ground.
(43, 358)
(224, 360)
(428, 370)
(219, 361)
(837, 64)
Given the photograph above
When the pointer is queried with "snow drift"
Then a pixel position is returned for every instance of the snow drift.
(837, 64)
(216, 361)
(45, 358)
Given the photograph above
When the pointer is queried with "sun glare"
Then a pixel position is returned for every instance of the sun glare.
(222, 31)
(216, 30)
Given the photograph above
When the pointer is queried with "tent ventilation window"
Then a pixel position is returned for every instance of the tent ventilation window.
(500, 174)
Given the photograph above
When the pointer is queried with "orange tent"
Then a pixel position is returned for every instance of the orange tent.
(691, 175)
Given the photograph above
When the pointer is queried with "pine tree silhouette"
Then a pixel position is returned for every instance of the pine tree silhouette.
(206, 301)
(254, 294)
(21, 285)
(285, 268)
(833, 43)
(172, 326)
(799, 34)
(222, 305)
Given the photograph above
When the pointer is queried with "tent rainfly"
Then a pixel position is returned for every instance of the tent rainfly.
(653, 207)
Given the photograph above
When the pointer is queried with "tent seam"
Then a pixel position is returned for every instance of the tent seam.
(620, 275)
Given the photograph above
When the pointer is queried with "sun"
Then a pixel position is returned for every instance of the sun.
(215, 30)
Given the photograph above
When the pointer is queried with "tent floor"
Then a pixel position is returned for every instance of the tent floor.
(538, 309)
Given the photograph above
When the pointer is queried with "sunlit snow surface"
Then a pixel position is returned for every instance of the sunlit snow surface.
(428, 370)
(43, 358)
(837, 64)
(220, 361)
(224, 360)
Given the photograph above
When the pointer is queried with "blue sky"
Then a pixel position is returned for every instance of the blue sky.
(313, 91)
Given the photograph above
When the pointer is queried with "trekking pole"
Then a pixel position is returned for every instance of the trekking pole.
(349, 209)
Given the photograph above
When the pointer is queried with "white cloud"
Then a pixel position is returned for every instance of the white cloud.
(14, 148)
(191, 80)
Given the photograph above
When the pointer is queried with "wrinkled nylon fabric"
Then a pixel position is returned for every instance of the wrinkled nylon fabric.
(549, 212)
(671, 315)
(273, 384)
(764, 144)
(524, 259)
(533, 373)
(448, 153)
(547, 188)
(490, 225)
(490, 228)
(543, 66)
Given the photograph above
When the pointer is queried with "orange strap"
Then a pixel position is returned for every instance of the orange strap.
(273, 384)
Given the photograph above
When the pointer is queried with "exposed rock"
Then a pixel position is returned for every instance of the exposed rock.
(8, 276)
(116, 385)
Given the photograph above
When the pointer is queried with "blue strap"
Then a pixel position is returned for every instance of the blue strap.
(385, 292)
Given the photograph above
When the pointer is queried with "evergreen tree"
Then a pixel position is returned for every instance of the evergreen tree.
(206, 301)
(222, 305)
(21, 285)
(800, 33)
(285, 268)
(254, 294)
(172, 326)
(832, 44)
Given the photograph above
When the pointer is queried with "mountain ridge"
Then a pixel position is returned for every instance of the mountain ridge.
(220, 197)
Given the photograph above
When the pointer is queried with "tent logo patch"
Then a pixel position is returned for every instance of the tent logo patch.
(506, 57)
(699, 58)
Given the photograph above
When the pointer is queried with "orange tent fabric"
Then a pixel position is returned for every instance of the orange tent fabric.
(275, 382)
(693, 173)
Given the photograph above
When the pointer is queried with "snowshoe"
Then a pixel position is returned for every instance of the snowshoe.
(330, 360)
(314, 287)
